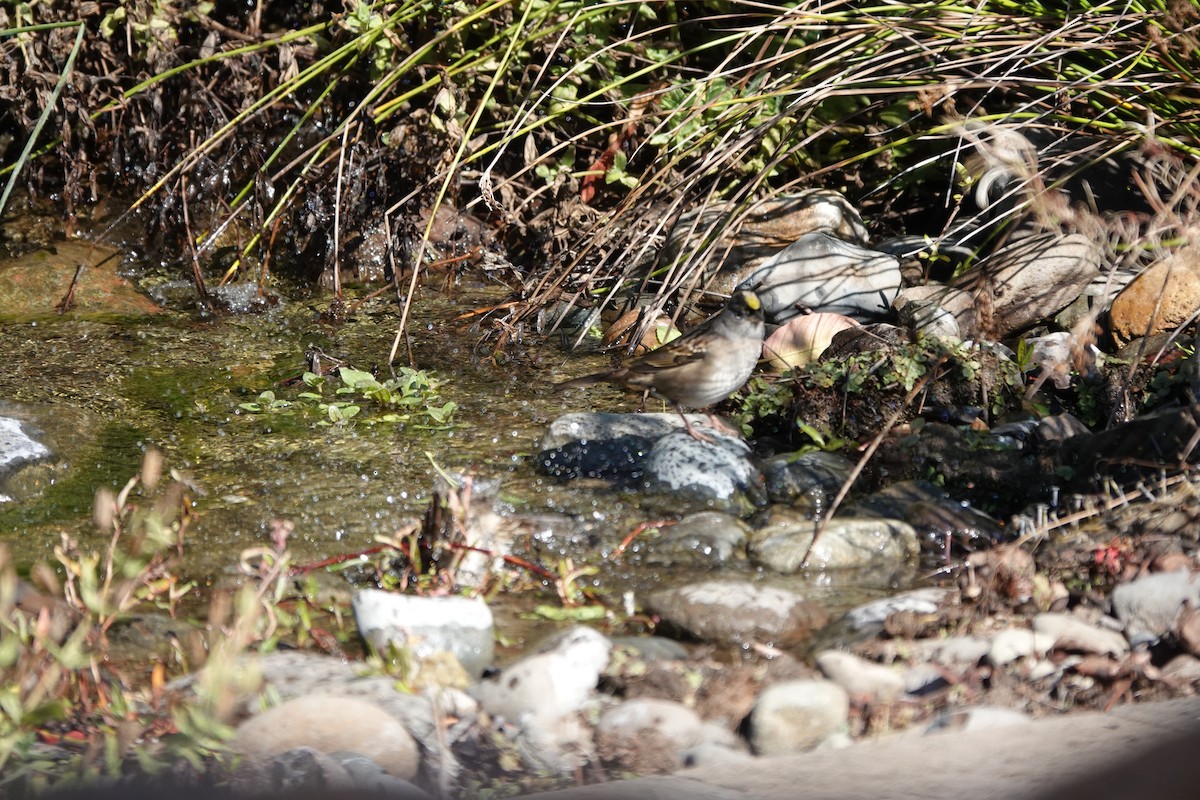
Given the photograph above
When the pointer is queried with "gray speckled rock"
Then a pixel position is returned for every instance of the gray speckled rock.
(593, 445)
(297, 770)
(795, 716)
(845, 543)
(1149, 606)
(369, 778)
(738, 612)
(704, 539)
(299, 674)
(820, 272)
(719, 471)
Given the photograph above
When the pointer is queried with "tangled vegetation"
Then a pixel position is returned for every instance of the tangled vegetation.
(263, 137)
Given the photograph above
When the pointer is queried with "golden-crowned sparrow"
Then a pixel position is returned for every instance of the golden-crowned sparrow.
(705, 365)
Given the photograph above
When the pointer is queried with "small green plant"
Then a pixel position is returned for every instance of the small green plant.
(411, 397)
(828, 444)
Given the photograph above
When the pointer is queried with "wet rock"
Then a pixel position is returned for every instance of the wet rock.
(592, 445)
(1058, 428)
(979, 718)
(1071, 633)
(939, 520)
(551, 683)
(801, 340)
(768, 226)
(300, 769)
(17, 448)
(1030, 280)
(704, 539)
(426, 626)
(738, 613)
(845, 543)
(247, 297)
(647, 736)
(869, 617)
(808, 481)
(1014, 643)
(33, 283)
(863, 680)
(1150, 606)
(819, 272)
(795, 716)
(719, 472)
(1161, 298)
(937, 310)
(327, 724)
(653, 648)
(369, 778)
(1129, 450)
(992, 475)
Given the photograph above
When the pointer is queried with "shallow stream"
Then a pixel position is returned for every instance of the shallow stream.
(100, 391)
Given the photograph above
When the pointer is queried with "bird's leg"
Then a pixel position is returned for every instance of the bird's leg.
(687, 423)
(719, 424)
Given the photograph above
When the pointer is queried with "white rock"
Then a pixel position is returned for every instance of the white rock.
(876, 612)
(461, 626)
(979, 718)
(327, 724)
(861, 678)
(1149, 606)
(823, 273)
(1071, 633)
(795, 716)
(1009, 645)
(550, 684)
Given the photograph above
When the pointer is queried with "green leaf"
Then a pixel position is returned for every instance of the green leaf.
(576, 614)
(356, 378)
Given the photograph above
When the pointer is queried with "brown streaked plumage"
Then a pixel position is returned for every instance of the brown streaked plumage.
(700, 368)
